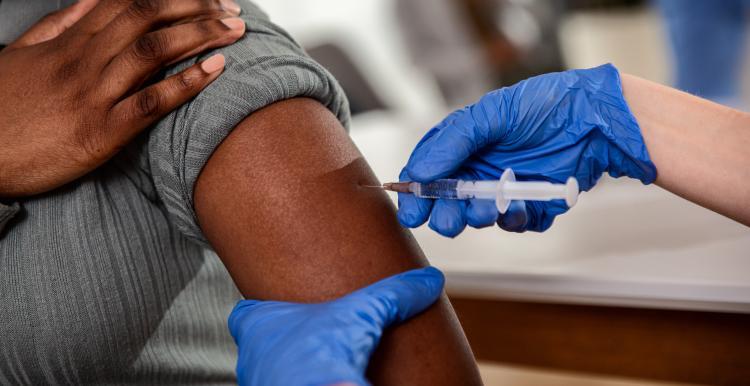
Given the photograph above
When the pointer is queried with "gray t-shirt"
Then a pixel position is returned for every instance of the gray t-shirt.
(106, 280)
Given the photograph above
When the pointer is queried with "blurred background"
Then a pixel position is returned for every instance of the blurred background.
(405, 64)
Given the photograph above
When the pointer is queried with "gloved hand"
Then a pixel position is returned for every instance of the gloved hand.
(327, 343)
(550, 127)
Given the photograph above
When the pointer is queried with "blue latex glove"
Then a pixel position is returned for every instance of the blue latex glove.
(550, 127)
(327, 343)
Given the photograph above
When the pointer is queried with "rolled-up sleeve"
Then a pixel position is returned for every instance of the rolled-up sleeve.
(264, 67)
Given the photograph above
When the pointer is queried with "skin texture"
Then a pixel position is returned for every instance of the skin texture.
(282, 204)
(84, 68)
(699, 147)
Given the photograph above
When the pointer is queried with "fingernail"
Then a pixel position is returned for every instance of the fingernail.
(213, 64)
(234, 23)
(231, 6)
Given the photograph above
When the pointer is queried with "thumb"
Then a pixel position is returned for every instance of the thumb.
(463, 133)
(400, 297)
(516, 219)
(541, 215)
(54, 24)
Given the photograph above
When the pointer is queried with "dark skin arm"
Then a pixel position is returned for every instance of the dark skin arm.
(282, 204)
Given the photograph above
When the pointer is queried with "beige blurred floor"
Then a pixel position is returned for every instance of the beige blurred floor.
(501, 375)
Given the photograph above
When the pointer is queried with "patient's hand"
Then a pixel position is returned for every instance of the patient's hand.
(71, 88)
(282, 204)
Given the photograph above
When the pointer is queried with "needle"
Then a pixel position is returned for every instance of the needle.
(401, 187)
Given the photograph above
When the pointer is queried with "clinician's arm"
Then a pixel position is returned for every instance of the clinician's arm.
(582, 123)
(282, 204)
(701, 149)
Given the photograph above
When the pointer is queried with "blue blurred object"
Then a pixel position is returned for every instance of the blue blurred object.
(327, 343)
(707, 38)
(550, 127)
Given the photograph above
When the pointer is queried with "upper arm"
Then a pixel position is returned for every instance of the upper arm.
(281, 199)
(276, 189)
(281, 202)
(263, 67)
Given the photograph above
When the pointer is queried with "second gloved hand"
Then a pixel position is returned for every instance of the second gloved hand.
(328, 343)
(550, 127)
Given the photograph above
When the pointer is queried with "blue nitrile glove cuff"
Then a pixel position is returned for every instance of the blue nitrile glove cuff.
(618, 124)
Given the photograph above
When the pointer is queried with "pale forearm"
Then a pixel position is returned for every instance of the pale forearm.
(701, 149)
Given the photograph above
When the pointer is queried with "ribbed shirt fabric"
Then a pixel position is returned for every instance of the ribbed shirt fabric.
(7, 212)
(107, 280)
(16, 16)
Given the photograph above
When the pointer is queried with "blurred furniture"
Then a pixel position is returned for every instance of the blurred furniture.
(494, 374)
(664, 345)
(361, 94)
(603, 4)
(519, 36)
(444, 41)
(632, 38)
(368, 34)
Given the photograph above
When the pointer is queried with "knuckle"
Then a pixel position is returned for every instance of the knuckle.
(207, 29)
(68, 70)
(209, 5)
(88, 146)
(151, 47)
(146, 9)
(186, 81)
(50, 18)
(61, 45)
(149, 103)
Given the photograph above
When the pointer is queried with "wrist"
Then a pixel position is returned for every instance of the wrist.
(698, 145)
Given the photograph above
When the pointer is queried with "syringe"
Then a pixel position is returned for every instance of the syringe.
(503, 191)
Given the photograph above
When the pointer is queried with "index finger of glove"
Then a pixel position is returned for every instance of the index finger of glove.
(463, 133)
(400, 297)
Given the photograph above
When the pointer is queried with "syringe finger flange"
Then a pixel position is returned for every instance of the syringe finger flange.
(501, 202)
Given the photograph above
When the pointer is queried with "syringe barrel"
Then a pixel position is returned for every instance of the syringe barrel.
(485, 190)
(533, 190)
(503, 191)
(445, 189)
(455, 189)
